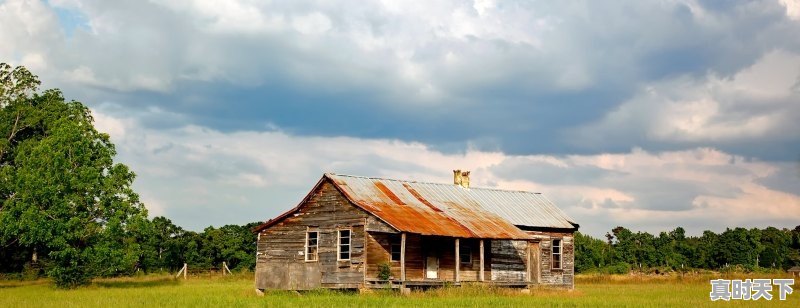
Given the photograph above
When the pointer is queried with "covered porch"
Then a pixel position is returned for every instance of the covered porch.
(423, 261)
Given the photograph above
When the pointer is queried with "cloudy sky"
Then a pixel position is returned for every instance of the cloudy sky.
(646, 114)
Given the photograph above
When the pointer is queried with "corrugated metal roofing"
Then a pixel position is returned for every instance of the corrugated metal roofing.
(451, 210)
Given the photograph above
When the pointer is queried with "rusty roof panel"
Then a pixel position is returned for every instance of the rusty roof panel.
(472, 207)
(451, 210)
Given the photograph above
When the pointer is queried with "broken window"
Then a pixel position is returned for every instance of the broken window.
(557, 254)
(344, 244)
(312, 240)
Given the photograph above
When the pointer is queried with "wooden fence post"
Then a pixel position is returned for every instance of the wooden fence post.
(185, 269)
(225, 268)
(182, 271)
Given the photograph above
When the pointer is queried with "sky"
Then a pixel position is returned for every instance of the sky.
(643, 114)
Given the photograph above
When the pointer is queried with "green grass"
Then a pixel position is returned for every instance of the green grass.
(237, 291)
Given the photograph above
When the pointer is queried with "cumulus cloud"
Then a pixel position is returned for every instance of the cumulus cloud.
(446, 73)
(753, 112)
(641, 113)
(200, 176)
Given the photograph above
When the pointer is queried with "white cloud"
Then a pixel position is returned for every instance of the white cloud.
(792, 8)
(27, 29)
(521, 73)
(201, 176)
(314, 23)
(755, 103)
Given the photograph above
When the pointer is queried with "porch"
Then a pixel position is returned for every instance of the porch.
(427, 261)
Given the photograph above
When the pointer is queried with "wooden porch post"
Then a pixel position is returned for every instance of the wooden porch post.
(458, 262)
(528, 261)
(480, 276)
(403, 256)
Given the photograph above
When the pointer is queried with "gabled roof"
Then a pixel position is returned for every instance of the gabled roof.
(445, 209)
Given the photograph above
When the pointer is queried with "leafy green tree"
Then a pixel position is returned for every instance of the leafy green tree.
(59, 187)
(166, 244)
(738, 246)
(793, 257)
(590, 253)
(776, 245)
(623, 245)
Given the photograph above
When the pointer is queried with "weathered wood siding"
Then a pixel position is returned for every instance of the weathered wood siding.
(564, 277)
(280, 262)
(379, 251)
(508, 259)
(470, 271)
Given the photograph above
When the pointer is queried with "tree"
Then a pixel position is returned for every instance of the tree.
(60, 190)
(590, 253)
(776, 247)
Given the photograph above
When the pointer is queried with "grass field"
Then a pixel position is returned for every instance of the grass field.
(237, 291)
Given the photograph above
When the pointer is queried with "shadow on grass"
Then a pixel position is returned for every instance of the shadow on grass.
(124, 284)
(21, 283)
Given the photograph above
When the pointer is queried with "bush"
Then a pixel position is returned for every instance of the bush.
(619, 268)
(384, 271)
(30, 271)
(69, 269)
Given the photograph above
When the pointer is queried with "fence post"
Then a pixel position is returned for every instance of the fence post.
(180, 271)
(185, 269)
(226, 268)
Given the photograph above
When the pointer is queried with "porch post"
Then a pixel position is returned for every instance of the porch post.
(480, 276)
(458, 262)
(528, 261)
(403, 256)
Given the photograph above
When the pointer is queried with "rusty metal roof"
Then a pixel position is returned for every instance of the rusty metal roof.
(451, 210)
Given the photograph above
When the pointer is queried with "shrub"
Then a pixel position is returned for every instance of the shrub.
(30, 271)
(384, 271)
(619, 268)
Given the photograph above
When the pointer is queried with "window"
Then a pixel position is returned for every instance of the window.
(395, 248)
(556, 254)
(465, 253)
(344, 244)
(312, 240)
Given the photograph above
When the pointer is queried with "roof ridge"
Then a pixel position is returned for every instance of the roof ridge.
(432, 183)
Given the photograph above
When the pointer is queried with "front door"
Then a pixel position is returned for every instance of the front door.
(432, 267)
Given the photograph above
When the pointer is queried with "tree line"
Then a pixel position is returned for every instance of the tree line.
(156, 245)
(623, 250)
(68, 211)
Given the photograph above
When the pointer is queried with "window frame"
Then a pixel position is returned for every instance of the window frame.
(464, 247)
(559, 254)
(306, 246)
(339, 244)
(395, 242)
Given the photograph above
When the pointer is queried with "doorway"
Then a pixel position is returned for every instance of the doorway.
(432, 267)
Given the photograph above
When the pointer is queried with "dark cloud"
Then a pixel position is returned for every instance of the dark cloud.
(786, 179)
(516, 78)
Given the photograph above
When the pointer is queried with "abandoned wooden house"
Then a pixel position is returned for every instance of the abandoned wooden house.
(349, 227)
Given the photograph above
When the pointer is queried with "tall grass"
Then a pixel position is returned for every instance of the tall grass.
(237, 291)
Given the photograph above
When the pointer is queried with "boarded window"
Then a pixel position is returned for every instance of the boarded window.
(465, 253)
(312, 240)
(557, 254)
(395, 248)
(344, 244)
